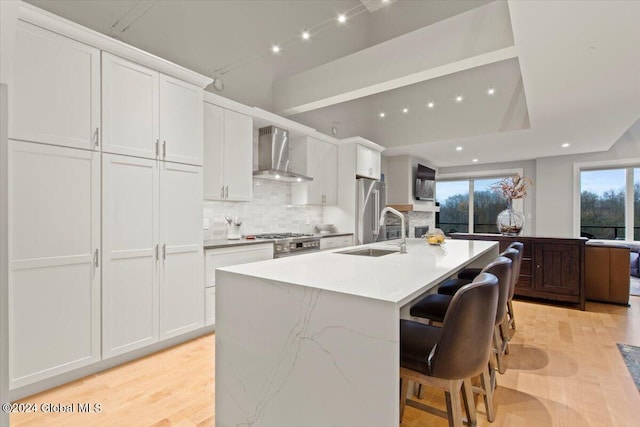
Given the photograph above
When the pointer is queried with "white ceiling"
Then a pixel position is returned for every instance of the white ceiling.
(576, 77)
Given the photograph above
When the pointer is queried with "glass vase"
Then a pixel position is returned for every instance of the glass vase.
(510, 222)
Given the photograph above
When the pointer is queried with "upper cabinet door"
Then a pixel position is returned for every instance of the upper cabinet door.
(213, 152)
(129, 108)
(330, 160)
(181, 117)
(238, 156)
(55, 91)
(367, 162)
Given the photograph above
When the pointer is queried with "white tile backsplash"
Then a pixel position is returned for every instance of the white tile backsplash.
(270, 211)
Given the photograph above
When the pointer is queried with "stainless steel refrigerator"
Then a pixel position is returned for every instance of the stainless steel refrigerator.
(371, 198)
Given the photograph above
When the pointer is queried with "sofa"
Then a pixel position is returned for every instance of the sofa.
(634, 260)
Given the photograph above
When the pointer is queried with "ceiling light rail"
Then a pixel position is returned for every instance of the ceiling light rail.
(304, 36)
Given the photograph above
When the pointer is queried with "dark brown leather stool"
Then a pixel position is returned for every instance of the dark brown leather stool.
(449, 356)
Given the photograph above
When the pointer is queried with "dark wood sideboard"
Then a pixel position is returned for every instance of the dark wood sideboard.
(552, 268)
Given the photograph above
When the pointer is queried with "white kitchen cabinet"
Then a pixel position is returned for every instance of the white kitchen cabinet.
(228, 148)
(181, 127)
(319, 160)
(54, 277)
(181, 270)
(55, 89)
(225, 257)
(152, 275)
(130, 239)
(130, 109)
(367, 162)
(335, 242)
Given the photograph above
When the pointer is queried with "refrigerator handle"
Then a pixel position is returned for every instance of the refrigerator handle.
(376, 212)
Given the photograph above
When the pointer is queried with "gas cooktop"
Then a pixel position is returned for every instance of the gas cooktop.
(278, 236)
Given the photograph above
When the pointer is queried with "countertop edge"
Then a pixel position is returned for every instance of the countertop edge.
(218, 244)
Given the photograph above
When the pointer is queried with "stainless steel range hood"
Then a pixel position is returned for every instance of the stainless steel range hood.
(273, 156)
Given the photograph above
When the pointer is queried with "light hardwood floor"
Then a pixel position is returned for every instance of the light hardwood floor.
(564, 369)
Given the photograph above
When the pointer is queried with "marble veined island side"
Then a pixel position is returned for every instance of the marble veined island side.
(313, 340)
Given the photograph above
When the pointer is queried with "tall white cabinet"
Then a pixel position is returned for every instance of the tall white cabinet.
(181, 247)
(54, 251)
(130, 242)
(105, 200)
(228, 148)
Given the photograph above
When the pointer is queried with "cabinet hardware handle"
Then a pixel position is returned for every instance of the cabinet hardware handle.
(157, 251)
(96, 259)
(96, 134)
(164, 148)
(537, 265)
(164, 251)
(157, 147)
(226, 192)
(222, 191)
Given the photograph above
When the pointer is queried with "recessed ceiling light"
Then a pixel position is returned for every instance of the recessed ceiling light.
(382, 114)
(565, 145)
(385, 1)
(491, 91)
(275, 48)
(459, 98)
(405, 110)
(299, 179)
(342, 18)
(431, 104)
(277, 176)
(475, 160)
(305, 35)
(458, 148)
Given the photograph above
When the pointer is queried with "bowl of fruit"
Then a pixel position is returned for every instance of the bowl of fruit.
(436, 237)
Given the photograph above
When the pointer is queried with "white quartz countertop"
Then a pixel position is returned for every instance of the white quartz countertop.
(396, 278)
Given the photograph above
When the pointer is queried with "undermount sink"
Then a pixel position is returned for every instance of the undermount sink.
(369, 252)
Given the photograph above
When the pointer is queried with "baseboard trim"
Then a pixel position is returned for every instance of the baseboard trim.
(76, 374)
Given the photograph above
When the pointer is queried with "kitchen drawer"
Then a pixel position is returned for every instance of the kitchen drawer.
(335, 242)
(210, 306)
(226, 257)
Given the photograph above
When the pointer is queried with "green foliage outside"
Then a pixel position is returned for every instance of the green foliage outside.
(454, 212)
(602, 216)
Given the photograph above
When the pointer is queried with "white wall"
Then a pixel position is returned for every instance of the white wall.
(555, 184)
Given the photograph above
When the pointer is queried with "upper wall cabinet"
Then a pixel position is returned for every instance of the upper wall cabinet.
(228, 148)
(147, 114)
(181, 128)
(367, 162)
(319, 160)
(55, 92)
(130, 110)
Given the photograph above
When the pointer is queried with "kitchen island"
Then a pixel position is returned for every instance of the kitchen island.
(313, 340)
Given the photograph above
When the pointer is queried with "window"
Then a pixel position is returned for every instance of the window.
(487, 205)
(457, 208)
(610, 204)
(453, 197)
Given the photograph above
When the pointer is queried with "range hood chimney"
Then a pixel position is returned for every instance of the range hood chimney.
(273, 156)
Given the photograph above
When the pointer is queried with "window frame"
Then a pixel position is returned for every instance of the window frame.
(628, 165)
(476, 175)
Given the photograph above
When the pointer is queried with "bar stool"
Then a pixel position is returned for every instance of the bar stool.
(511, 320)
(448, 357)
(435, 306)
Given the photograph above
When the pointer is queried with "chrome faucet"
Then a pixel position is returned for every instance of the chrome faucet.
(403, 242)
